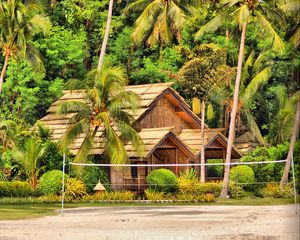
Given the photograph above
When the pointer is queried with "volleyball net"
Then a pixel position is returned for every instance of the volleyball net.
(121, 184)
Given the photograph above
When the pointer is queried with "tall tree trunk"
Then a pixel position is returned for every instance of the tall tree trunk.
(106, 35)
(225, 188)
(287, 167)
(202, 161)
(4, 69)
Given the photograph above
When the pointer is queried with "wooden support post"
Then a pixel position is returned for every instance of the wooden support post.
(176, 157)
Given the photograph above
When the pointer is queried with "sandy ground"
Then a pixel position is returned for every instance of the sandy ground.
(156, 223)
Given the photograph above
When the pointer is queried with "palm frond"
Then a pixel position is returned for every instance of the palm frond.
(254, 128)
(145, 22)
(269, 31)
(257, 65)
(72, 107)
(176, 16)
(258, 81)
(114, 146)
(242, 15)
(290, 6)
(84, 149)
(72, 133)
(211, 26)
(138, 5)
(295, 38)
(129, 134)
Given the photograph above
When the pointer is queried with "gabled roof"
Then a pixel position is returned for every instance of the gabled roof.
(193, 138)
(153, 138)
(149, 95)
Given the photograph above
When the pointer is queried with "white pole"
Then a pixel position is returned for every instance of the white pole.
(294, 182)
(63, 185)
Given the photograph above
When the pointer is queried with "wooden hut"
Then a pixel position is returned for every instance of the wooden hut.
(166, 124)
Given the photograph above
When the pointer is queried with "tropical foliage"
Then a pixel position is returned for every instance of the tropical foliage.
(50, 46)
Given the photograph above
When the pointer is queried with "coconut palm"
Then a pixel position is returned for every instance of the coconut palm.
(18, 24)
(295, 131)
(159, 21)
(107, 106)
(281, 127)
(30, 159)
(254, 76)
(105, 38)
(291, 8)
(243, 12)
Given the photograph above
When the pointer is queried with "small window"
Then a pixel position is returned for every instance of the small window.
(134, 173)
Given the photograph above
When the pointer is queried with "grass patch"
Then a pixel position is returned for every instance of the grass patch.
(14, 212)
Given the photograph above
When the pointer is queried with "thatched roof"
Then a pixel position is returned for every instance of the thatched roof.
(193, 138)
(148, 93)
(153, 138)
(99, 187)
(246, 143)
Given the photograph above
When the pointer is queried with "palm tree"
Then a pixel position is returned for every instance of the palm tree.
(107, 106)
(18, 24)
(243, 12)
(30, 158)
(295, 131)
(105, 38)
(254, 76)
(281, 126)
(159, 21)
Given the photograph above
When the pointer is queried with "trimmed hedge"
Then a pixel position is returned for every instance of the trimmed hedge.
(15, 189)
(162, 180)
(51, 182)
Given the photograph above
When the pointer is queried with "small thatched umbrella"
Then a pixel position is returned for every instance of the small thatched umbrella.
(99, 188)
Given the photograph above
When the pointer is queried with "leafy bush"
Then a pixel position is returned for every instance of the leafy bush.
(210, 188)
(195, 198)
(186, 185)
(111, 196)
(51, 182)
(15, 189)
(242, 174)
(236, 191)
(154, 195)
(75, 189)
(162, 180)
(270, 172)
(273, 190)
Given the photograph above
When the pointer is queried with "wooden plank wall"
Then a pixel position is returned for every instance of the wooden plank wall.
(164, 115)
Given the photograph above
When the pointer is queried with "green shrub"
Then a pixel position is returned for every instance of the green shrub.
(236, 191)
(273, 190)
(162, 180)
(186, 185)
(242, 174)
(15, 189)
(111, 196)
(154, 195)
(209, 188)
(75, 189)
(51, 182)
(195, 198)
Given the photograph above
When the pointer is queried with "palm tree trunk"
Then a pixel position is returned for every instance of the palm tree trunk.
(106, 35)
(202, 161)
(225, 188)
(287, 167)
(4, 69)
